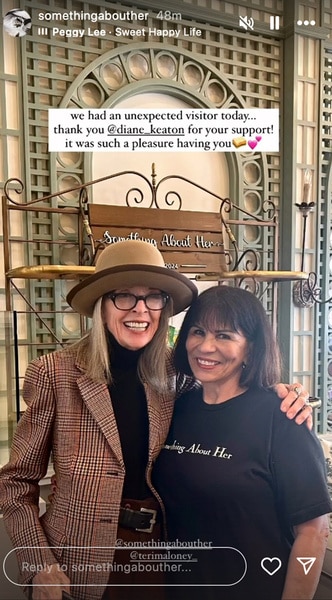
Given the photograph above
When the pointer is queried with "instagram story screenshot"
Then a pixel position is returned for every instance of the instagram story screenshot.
(160, 164)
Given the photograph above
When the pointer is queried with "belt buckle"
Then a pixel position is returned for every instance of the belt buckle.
(153, 519)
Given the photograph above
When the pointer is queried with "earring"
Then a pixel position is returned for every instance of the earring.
(244, 366)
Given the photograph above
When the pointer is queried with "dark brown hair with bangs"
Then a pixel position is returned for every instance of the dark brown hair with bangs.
(242, 312)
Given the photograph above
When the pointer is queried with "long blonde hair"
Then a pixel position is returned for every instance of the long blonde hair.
(94, 350)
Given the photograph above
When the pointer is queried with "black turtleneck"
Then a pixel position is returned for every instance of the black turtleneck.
(130, 410)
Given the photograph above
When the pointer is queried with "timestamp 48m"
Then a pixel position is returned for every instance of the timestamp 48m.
(168, 15)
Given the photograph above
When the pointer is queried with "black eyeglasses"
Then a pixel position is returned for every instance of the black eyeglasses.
(124, 301)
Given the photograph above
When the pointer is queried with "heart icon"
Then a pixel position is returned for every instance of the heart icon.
(252, 144)
(271, 565)
(258, 138)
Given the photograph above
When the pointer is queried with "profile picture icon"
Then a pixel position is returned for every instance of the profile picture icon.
(17, 22)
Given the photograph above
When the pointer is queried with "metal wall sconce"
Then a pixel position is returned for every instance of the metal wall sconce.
(306, 293)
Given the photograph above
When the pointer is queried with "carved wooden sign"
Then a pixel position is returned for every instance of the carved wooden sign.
(191, 242)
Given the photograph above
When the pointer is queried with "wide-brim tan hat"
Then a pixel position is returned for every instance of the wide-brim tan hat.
(126, 264)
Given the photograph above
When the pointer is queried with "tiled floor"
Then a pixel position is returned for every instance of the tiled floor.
(4, 455)
(4, 444)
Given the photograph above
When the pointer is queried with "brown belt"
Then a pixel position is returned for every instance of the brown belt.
(140, 515)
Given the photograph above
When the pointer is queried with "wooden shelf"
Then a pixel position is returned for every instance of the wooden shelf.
(50, 272)
(273, 276)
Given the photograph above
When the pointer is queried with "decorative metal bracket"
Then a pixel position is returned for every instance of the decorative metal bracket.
(307, 293)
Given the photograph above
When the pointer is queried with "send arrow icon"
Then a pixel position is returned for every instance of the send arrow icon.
(306, 562)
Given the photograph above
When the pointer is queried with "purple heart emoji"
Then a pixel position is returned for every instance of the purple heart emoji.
(258, 138)
(252, 144)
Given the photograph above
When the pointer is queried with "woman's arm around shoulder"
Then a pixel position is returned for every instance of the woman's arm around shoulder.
(294, 403)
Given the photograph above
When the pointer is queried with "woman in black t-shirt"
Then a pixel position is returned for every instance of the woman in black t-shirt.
(247, 509)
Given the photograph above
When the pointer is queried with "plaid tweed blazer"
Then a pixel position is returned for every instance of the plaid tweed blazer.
(71, 416)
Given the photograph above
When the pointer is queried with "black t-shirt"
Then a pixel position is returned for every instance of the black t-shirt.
(238, 474)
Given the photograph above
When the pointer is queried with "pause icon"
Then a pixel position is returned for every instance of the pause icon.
(275, 22)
